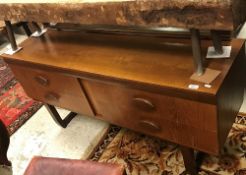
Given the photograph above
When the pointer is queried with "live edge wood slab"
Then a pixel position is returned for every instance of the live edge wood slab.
(199, 14)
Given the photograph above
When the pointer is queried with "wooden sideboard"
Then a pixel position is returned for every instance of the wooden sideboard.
(135, 82)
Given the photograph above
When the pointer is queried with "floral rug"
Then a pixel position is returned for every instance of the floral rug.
(15, 107)
(144, 155)
(5, 74)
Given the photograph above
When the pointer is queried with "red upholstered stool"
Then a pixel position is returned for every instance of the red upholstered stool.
(55, 166)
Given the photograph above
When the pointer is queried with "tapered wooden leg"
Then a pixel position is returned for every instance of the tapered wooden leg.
(189, 160)
(38, 28)
(57, 118)
(4, 145)
(217, 41)
(26, 28)
(11, 35)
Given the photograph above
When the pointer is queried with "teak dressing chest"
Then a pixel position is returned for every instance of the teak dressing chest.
(134, 82)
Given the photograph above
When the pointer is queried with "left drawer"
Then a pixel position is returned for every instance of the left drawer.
(53, 88)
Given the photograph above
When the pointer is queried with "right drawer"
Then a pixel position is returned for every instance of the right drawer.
(182, 121)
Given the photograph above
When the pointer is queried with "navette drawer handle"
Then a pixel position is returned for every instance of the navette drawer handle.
(42, 80)
(144, 104)
(51, 96)
(149, 125)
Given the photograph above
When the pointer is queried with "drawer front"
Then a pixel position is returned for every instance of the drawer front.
(178, 120)
(53, 88)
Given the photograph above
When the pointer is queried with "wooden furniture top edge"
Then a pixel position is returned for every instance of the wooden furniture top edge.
(120, 59)
(201, 14)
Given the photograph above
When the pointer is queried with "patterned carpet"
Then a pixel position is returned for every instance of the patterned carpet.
(15, 107)
(144, 155)
(5, 74)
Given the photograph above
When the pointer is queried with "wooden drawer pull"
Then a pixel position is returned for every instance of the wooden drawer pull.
(51, 96)
(42, 80)
(144, 104)
(149, 125)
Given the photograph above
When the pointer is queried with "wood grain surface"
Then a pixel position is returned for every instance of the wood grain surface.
(53, 88)
(157, 62)
(136, 82)
(181, 121)
(201, 14)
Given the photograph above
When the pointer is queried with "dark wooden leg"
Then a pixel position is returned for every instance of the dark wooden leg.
(217, 41)
(37, 27)
(4, 145)
(11, 35)
(26, 28)
(57, 118)
(189, 160)
(46, 25)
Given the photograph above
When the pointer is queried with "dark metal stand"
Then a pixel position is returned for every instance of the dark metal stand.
(57, 118)
(217, 41)
(197, 53)
(4, 145)
(11, 35)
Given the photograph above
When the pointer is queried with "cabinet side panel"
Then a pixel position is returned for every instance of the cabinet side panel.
(230, 96)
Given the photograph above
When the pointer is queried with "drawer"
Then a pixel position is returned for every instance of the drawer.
(178, 120)
(53, 88)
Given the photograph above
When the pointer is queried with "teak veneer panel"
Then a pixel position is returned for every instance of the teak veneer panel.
(140, 61)
(181, 121)
(58, 89)
(201, 14)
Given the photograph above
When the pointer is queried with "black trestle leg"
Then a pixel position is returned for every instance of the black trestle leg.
(57, 118)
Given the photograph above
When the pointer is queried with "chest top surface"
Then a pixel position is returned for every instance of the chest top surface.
(152, 61)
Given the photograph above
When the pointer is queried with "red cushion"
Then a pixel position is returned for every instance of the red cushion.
(55, 166)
